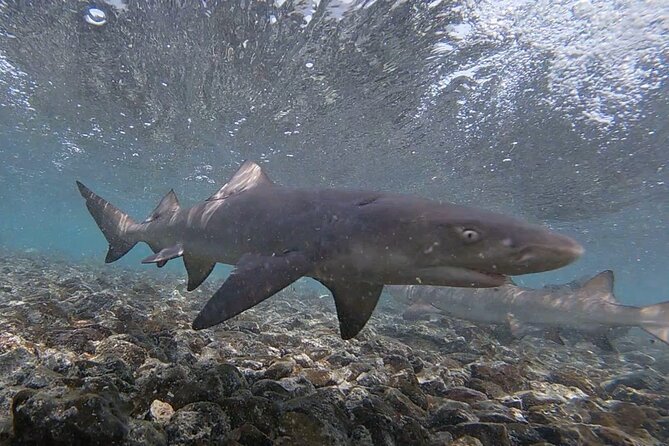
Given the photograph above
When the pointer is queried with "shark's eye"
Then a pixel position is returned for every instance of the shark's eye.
(470, 235)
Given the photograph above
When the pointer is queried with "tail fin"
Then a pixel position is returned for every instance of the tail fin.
(113, 223)
(656, 320)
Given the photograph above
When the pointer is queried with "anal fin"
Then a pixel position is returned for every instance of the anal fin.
(355, 302)
(165, 254)
(198, 270)
(254, 279)
(517, 328)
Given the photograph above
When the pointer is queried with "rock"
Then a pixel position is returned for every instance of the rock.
(397, 363)
(361, 436)
(248, 434)
(144, 433)
(279, 369)
(532, 398)
(180, 386)
(160, 412)
(434, 387)
(407, 383)
(451, 414)
(6, 430)
(560, 435)
(506, 376)
(63, 416)
(646, 379)
(441, 438)
(79, 340)
(319, 377)
(489, 434)
(244, 408)
(374, 414)
(524, 434)
(512, 401)
(283, 389)
(198, 423)
(118, 346)
(464, 358)
(466, 440)
(372, 378)
(464, 394)
(491, 389)
(627, 414)
(572, 378)
(303, 360)
(402, 404)
(312, 420)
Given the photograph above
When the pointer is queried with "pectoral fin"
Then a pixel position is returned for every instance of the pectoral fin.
(355, 302)
(162, 256)
(198, 270)
(553, 334)
(254, 279)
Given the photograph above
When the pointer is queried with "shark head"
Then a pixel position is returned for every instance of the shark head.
(476, 248)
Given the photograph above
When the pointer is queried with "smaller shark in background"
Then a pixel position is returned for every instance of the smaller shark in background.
(588, 306)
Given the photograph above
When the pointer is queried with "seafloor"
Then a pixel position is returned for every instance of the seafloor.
(99, 355)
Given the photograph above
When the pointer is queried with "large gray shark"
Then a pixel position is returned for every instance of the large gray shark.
(353, 242)
(587, 306)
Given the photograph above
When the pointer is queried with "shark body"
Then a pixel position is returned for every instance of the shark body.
(587, 306)
(353, 242)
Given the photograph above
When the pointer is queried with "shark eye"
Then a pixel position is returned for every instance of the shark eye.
(470, 235)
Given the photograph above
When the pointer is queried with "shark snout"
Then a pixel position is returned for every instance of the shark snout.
(554, 251)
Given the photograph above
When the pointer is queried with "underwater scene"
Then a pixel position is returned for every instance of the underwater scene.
(334, 222)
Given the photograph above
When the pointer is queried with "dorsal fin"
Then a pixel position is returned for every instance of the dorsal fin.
(601, 285)
(248, 176)
(168, 205)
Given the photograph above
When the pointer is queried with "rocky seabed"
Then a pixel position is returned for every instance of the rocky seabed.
(94, 355)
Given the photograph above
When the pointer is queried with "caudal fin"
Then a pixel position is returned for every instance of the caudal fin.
(113, 223)
(656, 320)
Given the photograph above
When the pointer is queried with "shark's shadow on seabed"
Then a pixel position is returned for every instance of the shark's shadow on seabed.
(353, 242)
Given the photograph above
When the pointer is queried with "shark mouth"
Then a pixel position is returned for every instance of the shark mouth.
(460, 277)
(500, 279)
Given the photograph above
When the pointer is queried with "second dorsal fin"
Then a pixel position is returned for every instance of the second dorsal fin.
(248, 176)
(601, 286)
(167, 206)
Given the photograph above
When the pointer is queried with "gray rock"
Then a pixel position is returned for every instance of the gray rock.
(198, 423)
(63, 416)
(489, 434)
(312, 420)
(279, 369)
(260, 412)
(248, 434)
(283, 389)
(179, 386)
(449, 415)
(464, 394)
(145, 433)
(507, 376)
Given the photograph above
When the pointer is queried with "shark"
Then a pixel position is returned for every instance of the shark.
(582, 305)
(353, 242)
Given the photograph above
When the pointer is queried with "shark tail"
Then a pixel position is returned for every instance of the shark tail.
(113, 223)
(656, 320)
